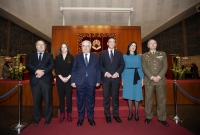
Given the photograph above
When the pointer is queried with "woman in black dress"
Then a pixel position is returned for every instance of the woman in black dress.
(63, 66)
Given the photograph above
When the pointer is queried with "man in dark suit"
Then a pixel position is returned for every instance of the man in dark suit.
(112, 65)
(85, 77)
(40, 65)
(154, 65)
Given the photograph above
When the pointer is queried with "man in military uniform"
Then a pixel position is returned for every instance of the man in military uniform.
(154, 65)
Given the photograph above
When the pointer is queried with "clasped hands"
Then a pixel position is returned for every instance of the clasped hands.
(115, 75)
(74, 85)
(156, 78)
(65, 79)
(39, 73)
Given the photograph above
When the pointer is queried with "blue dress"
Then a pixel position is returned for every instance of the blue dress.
(132, 91)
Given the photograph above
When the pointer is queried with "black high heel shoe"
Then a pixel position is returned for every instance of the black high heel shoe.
(130, 118)
(136, 118)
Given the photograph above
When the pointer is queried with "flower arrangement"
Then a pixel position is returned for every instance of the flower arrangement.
(178, 69)
(17, 71)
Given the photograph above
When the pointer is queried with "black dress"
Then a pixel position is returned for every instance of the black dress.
(195, 73)
(64, 68)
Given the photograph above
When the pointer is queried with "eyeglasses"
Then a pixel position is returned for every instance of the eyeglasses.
(85, 46)
(41, 44)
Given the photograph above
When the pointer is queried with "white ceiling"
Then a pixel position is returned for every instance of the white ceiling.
(152, 15)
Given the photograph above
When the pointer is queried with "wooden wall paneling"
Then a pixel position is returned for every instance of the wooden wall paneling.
(127, 38)
(169, 73)
(55, 99)
(119, 41)
(73, 41)
(12, 98)
(61, 35)
(57, 35)
(26, 97)
(133, 34)
(137, 37)
(169, 93)
(191, 88)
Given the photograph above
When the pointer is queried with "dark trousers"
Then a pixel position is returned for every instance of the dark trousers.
(112, 89)
(39, 91)
(85, 96)
(64, 89)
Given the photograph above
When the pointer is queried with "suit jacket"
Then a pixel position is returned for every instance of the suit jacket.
(154, 65)
(79, 70)
(47, 65)
(116, 66)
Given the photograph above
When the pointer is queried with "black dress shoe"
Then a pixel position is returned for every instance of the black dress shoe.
(36, 122)
(130, 117)
(47, 122)
(92, 122)
(80, 122)
(108, 119)
(117, 119)
(164, 123)
(147, 121)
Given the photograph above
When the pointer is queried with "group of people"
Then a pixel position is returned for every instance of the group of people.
(86, 71)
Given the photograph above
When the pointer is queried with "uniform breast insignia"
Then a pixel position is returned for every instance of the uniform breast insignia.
(96, 44)
(147, 58)
(159, 57)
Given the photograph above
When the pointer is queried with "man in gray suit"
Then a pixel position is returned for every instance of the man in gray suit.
(154, 65)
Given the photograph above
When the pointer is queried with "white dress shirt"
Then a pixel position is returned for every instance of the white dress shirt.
(88, 56)
(38, 53)
(110, 50)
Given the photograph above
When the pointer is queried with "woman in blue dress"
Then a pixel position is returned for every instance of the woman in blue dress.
(132, 79)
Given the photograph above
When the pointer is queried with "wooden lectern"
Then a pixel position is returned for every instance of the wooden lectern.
(170, 60)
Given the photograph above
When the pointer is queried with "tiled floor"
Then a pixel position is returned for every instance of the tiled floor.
(9, 116)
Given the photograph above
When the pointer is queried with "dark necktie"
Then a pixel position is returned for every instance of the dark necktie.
(86, 60)
(86, 63)
(111, 56)
(40, 59)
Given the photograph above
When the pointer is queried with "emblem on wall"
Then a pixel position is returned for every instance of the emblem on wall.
(98, 40)
(96, 44)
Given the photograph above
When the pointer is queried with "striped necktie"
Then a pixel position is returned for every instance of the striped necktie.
(86, 63)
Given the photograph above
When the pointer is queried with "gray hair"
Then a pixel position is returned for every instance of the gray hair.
(150, 41)
(88, 42)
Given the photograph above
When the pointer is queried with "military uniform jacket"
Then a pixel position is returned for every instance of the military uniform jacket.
(154, 65)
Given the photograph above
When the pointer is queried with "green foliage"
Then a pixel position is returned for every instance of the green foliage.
(17, 71)
(179, 70)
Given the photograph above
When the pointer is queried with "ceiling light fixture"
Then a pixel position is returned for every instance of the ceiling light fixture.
(97, 9)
